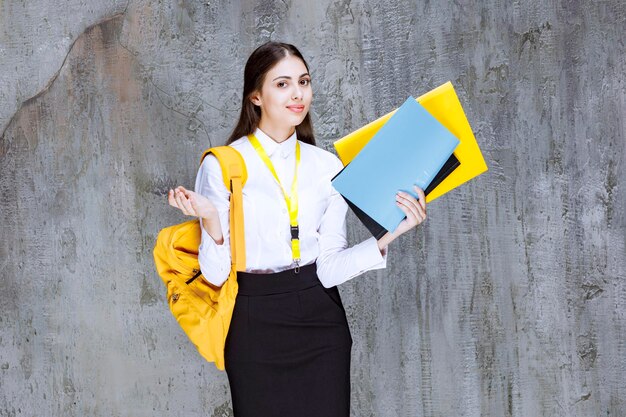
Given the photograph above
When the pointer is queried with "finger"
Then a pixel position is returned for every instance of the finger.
(420, 211)
(403, 208)
(188, 194)
(195, 200)
(410, 214)
(422, 197)
(419, 208)
(416, 205)
(192, 201)
(409, 201)
(188, 206)
(181, 204)
(170, 199)
(413, 218)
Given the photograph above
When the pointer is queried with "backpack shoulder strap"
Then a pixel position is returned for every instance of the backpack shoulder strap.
(235, 176)
(232, 164)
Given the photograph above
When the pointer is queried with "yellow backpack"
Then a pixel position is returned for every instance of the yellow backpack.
(202, 309)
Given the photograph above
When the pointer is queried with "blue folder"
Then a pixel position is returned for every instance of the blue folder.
(411, 148)
(376, 229)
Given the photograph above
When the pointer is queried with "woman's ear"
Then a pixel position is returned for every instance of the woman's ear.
(255, 99)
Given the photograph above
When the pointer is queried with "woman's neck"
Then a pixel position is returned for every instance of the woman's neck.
(277, 134)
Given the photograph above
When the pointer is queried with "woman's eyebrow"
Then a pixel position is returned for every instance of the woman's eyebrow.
(288, 77)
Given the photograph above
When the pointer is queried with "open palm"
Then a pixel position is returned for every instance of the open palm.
(191, 203)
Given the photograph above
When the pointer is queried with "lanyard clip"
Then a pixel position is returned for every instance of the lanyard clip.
(297, 270)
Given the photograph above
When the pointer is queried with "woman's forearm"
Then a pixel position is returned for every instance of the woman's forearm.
(214, 229)
(384, 241)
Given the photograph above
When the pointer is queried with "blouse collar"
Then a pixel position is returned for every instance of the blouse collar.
(270, 145)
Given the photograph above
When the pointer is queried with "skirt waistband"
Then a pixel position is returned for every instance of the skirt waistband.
(278, 282)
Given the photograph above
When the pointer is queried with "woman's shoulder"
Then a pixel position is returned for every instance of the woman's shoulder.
(237, 143)
(323, 157)
(210, 162)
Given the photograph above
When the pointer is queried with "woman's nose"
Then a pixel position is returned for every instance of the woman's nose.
(297, 92)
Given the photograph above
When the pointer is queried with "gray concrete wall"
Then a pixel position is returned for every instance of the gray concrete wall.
(510, 300)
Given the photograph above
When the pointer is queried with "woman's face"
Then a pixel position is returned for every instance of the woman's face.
(286, 94)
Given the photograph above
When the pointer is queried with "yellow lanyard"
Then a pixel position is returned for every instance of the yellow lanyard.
(292, 202)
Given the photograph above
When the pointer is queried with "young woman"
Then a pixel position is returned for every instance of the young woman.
(288, 348)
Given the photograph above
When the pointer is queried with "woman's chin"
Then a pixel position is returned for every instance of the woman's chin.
(297, 118)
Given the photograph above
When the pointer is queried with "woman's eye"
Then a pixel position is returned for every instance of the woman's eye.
(280, 84)
(305, 82)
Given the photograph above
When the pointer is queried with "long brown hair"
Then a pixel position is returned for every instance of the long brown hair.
(259, 63)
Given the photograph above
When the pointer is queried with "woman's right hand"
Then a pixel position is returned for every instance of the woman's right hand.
(192, 203)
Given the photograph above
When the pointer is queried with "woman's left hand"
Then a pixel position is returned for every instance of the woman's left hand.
(414, 209)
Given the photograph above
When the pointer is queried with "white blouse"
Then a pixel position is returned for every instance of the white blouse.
(321, 215)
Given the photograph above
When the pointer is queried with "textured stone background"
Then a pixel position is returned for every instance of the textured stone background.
(509, 301)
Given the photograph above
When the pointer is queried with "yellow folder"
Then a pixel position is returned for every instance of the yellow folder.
(443, 104)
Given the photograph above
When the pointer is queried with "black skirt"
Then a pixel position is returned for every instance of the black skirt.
(288, 347)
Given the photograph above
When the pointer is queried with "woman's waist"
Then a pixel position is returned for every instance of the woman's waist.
(265, 260)
(286, 280)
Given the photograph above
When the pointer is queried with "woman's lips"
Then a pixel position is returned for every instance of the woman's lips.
(296, 109)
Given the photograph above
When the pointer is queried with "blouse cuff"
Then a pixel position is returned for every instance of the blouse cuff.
(214, 259)
(372, 252)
